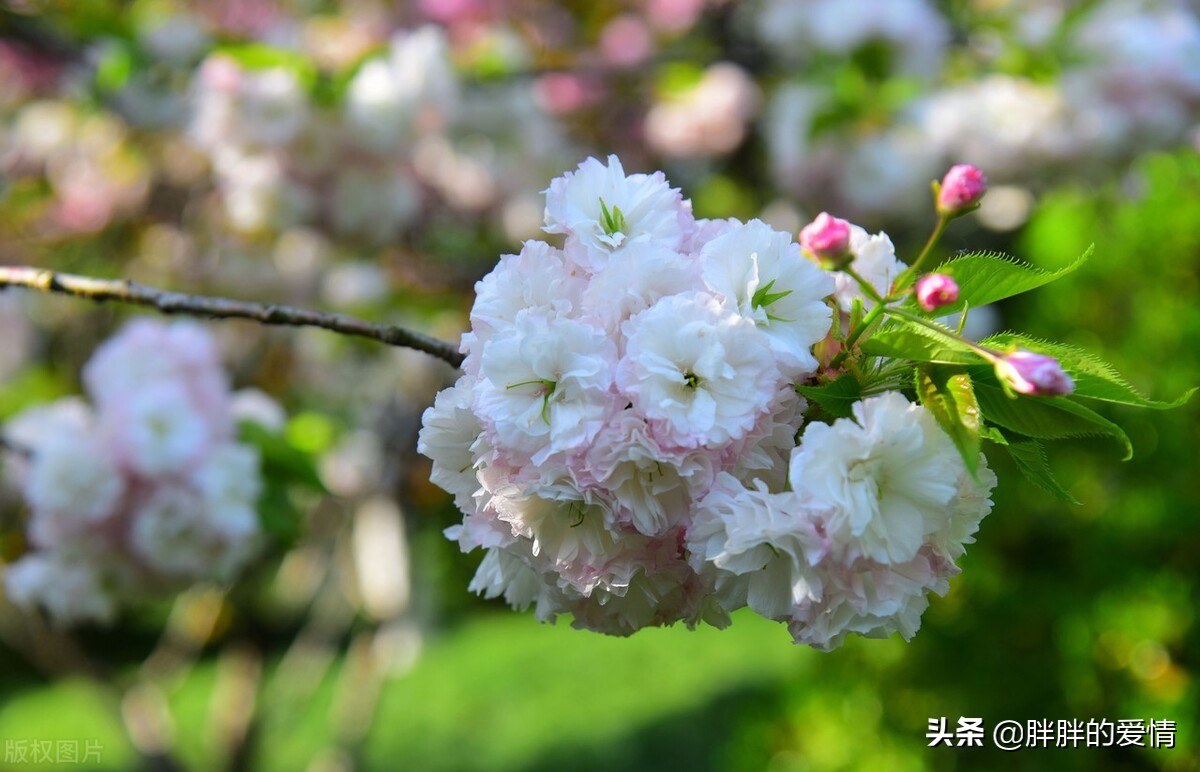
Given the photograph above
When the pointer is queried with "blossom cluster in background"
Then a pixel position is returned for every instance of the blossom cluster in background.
(94, 173)
(367, 165)
(145, 490)
(352, 125)
(623, 442)
(362, 121)
(1027, 89)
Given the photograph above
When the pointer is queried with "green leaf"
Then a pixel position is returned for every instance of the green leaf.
(1094, 378)
(115, 66)
(285, 468)
(281, 460)
(993, 434)
(259, 56)
(947, 393)
(763, 296)
(1030, 458)
(278, 514)
(1045, 418)
(908, 340)
(613, 220)
(836, 397)
(985, 278)
(857, 312)
(30, 386)
(674, 79)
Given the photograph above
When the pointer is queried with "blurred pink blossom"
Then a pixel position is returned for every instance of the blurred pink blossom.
(625, 41)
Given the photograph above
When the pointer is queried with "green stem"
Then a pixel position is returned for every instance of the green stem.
(546, 382)
(986, 353)
(910, 273)
(867, 287)
(870, 319)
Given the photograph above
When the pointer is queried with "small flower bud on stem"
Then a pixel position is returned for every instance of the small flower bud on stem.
(1034, 374)
(936, 290)
(827, 239)
(960, 190)
(958, 193)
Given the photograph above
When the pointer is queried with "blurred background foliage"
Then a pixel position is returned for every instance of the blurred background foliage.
(337, 653)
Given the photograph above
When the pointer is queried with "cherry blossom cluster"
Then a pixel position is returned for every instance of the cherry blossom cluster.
(627, 444)
(146, 489)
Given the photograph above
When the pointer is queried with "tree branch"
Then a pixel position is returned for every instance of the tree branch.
(127, 291)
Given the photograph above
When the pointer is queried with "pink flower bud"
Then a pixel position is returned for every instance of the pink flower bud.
(1036, 374)
(960, 191)
(828, 239)
(936, 290)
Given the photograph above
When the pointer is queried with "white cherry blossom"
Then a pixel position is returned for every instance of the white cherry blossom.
(701, 373)
(604, 209)
(763, 275)
(889, 476)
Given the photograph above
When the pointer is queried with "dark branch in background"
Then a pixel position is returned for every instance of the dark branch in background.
(125, 291)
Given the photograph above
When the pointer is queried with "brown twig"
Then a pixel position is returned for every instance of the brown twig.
(126, 291)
